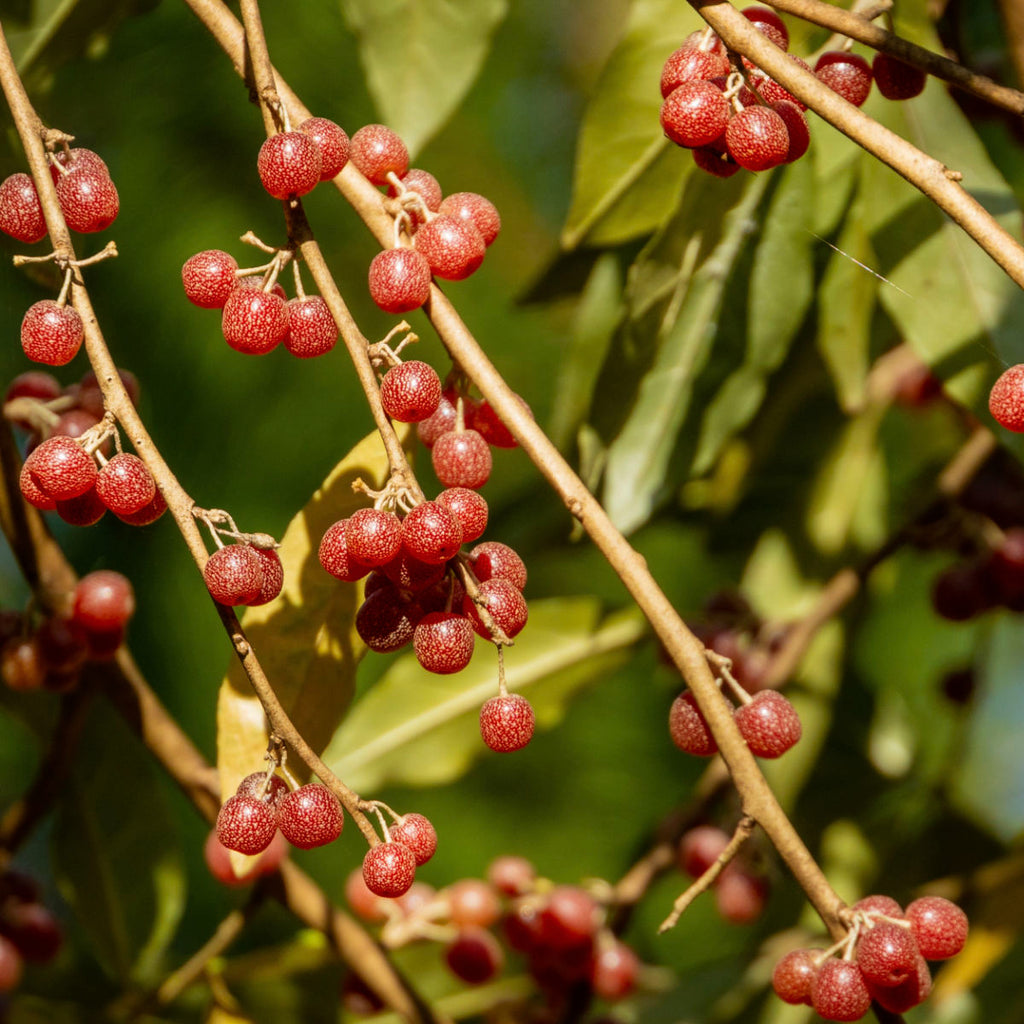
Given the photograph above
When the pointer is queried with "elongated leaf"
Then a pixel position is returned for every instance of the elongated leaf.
(421, 57)
(627, 173)
(639, 457)
(305, 637)
(116, 852)
(420, 729)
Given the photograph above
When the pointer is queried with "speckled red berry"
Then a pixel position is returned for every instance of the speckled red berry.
(445, 417)
(148, 513)
(415, 832)
(389, 869)
(838, 991)
(453, 248)
(373, 536)
(376, 151)
(431, 533)
(271, 791)
(31, 492)
(462, 458)
(793, 977)
(410, 573)
(796, 127)
(715, 161)
(334, 554)
(273, 576)
(310, 816)
(690, 64)
(490, 426)
(254, 321)
(443, 642)
(939, 926)
(125, 484)
(51, 333)
(474, 209)
(469, 507)
(887, 954)
(88, 199)
(695, 114)
(767, 21)
(246, 825)
(411, 391)
(209, 278)
(688, 728)
(331, 142)
(769, 724)
(399, 280)
(846, 73)
(233, 575)
(61, 468)
(908, 994)
(426, 186)
(311, 328)
(494, 560)
(386, 620)
(504, 603)
(700, 847)
(1006, 399)
(21, 213)
(85, 510)
(757, 138)
(76, 156)
(506, 722)
(289, 164)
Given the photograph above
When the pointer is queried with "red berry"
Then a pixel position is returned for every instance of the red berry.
(125, 484)
(964, 590)
(104, 600)
(495, 561)
(453, 247)
(51, 333)
(417, 833)
(695, 114)
(613, 971)
(688, 729)
(311, 328)
(90, 394)
(769, 724)
(373, 536)
(768, 22)
(739, 896)
(254, 321)
(469, 507)
(474, 209)
(289, 164)
(838, 991)
(376, 151)
(389, 868)
(61, 468)
(431, 533)
(310, 816)
(443, 642)
(473, 902)
(273, 576)
(887, 954)
(255, 283)
(506, 722)
(511, 875)
(271, 791)
(218, 860)
(410, 391)
(896, 80)
(365, 904)
(845, 73)
(504, 603)
(148, 514)
(386, 621)
(796, 126)
(36, 384)
(715, 162)
(209, 278)
(31, 492)
(425, 185)
(474, 956)
(85, 510)
(700, 848)
(246, 825)
(331, 142)
(757, 138)
(885, 905)
(21, 213)
(334, 554)
(490, 426)
(794, 976)
(233, 574)
(569, 918)
(88, 199)
(31, 928)
(939, 926)
(399, 280)
(76, 157)
(1006, 399)
(906, 995)
(462, 458)
(410, 573)
(689, 64)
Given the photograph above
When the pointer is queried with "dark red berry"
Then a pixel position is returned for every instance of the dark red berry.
(51, 333)
(453, 247)
(939, 926)
(33, 931)
(715, 162)
(475, 956)
(310, 816)
(690, 64)
(376, 151)
(63, 645)
(885, 905)
(36, 384)
(148, 514)
(896, 80)
(845, 73)
(209, 278)
(103, 600)
(334, 554)
(399, 280)
(769, 724)
(61, 468)
(964, 590)
(462, 458)
(688, 728)
(474, 209)
(410, 573)
(410, 391)
(700, 847)
(793, 977)
(569, 918)
(273, 576)
(767, 21)
(88, 199)
(289, 164)
(1006, 399)
(373, 536)
(254, 321)
(90, 394)
(365, 904)
(446, 417)
(493, 430)
(125, 484)
(493, 560)
(417, 833)
(21, 213)
(311, 328)
(505, 605)
(695, 114)
(757, 138)
(389, 869)
(386, 620)
(506, 722)
(85, 510)
(246, 825)
(431, 533)
(838, 991)
(331, 141)
(443, 642)
(233, 575)
(76, 156)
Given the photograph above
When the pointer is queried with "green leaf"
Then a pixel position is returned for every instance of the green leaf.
(627, 173)
(305, 637)
(419, 729)
(710, 229)
(421, 57)
(116, 854)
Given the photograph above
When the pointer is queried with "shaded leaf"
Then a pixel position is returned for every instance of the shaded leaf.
(421, 57)
(116, 853)
(305, 637)
(627, 173)
(420, 729)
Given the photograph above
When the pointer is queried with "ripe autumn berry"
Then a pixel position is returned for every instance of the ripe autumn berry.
(88, 199)
(233, 575)
(793, 977)
(767, 21)
(431, 533)
(757, 138)
(208, 278)
(311, 328)
(462, 458)
(51, 333)
(695, 114)
(410, 391)
(125, 484)
(61, 468)
(700, 847)
(896, 80)
(690, 64)
(147, 514)
(334, 554)
(246, 825)
(32, 493)
(443, 642)
(218, 861)
(373, 536)
(331, 142)
(254, 321)
(1006, 399)
(474, 209)
(796, 126)
(469, 507)
(505, 605)
(417, 833)
(769, 724)
(310, 816)
(474, 956)
(85, 510)
(21, 213)
(838, 991)
(492, 428)
(376, 151)
(613, 971)
(103, 601)
(389, 869)
(887, 954)
(259, 787)
(386, 620)
(289, 164)
(688, 729)
(425, 185)
(845, 73)
(506, 722)
(453, 247)
(399, 279)
(273, 576)
(493, 560)
(939, 926)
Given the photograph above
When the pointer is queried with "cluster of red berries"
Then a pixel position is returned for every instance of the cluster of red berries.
(49, 654)
(292, 163)
(435, 235)
(732, 118)
(244, 574)
(884, 959)
(560, 929)
(28, 931)
(307, 816)
(85, 190)
(740, 890)
(257, 314)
